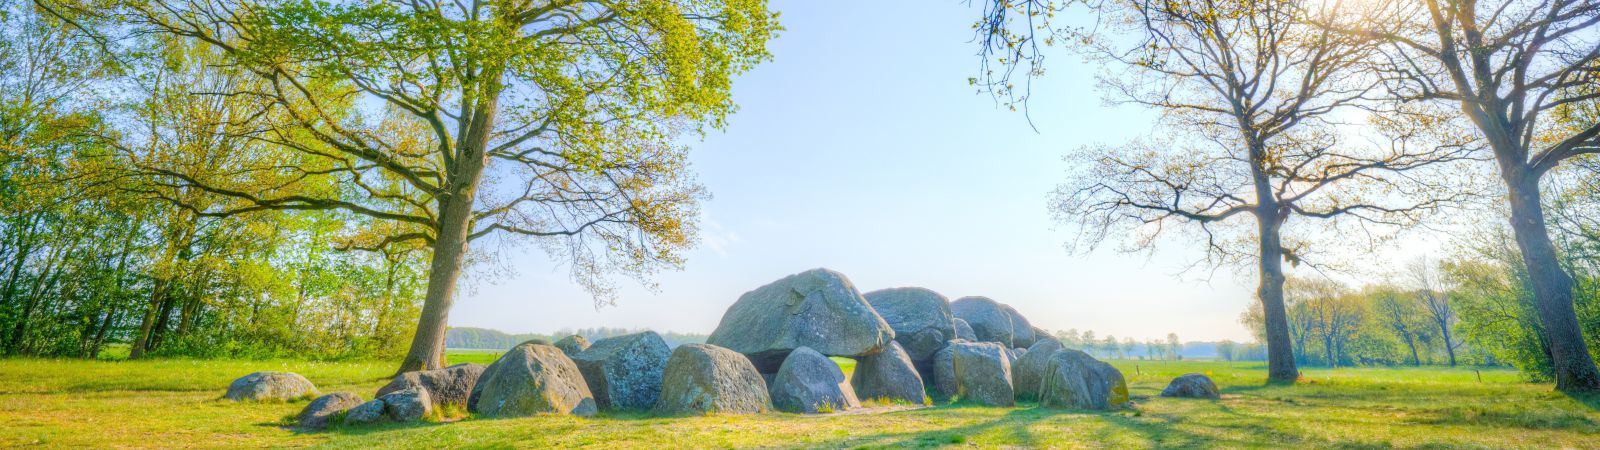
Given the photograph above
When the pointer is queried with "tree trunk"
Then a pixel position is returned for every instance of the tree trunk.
(1280, 356)
(454, 229)
(1449, 343)
(1552, 287)
(1416, 358)
(157, 296)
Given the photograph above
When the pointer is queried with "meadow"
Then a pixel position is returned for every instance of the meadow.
(176, 403)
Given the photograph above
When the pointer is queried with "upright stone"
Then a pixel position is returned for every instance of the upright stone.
(624, 372)
(572, 345)
(270, 386)
(532, 379)
(407, 405)
(1030, 368)
(888, 375)
(448, 386)
(988, 318)
(705, 379)
(943, 386)
(809, 383)
(1076, 380)
(818, 308)
(983, 374)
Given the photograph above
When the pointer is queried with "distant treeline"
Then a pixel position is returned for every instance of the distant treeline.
(1156, 349)
(484, 338)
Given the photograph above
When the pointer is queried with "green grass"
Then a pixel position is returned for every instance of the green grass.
(175, 403)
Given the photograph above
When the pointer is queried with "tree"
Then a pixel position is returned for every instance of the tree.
(1254, 91)
(556, 121)
(1514, 68)
(1335, 315)
(1174, 347)
(1226, 349)
(1400, 313)
(1435, 297)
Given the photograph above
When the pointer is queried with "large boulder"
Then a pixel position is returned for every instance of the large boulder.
(270, 386)
(1076, 380)
(920, 318)
(572, 345)
(448, 386)
(1029, 370)
(818, 308)
(808, 383)
(624, 372)
(703, 378)
(1192, 385)
(888, 375)
(320, 412)
(964, 331)
(982, 374)
(532, 379)
(1021, 331)
(989, 320)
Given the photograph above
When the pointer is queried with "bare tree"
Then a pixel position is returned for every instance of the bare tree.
(1513, 68)
(1253, 97)
(1435, 297)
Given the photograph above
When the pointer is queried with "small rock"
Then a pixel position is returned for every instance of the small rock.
(320, 412)
(572, 345)
(263, 386)
(366, 413)
(1192, 385)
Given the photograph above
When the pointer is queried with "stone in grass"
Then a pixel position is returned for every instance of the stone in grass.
(942, 386)
(532, 379)
(320, 412)
(448, 386)
(624, 372)
(983, 374)
(1192, 385)
(270, 386)
(888, 375)
(572, 345)
(810, 383)
(405, 405)
(1075, 380)
(366, 413)
(1030, 368)
(707, 379)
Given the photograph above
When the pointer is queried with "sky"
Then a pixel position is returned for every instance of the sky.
(861, 148)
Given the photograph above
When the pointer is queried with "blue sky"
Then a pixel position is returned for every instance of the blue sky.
(861, 148)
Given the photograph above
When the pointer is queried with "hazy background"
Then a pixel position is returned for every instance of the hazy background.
(861, 148)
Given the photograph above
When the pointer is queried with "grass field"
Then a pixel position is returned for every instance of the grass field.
(175, 403)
